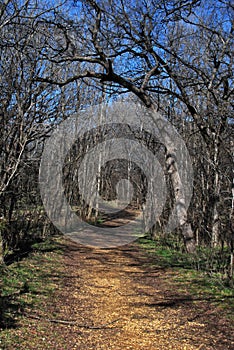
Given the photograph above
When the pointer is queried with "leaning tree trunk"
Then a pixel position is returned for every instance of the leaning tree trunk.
(189, 239)
(178, 190)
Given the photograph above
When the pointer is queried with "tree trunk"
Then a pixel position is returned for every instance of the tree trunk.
(2, 239)
(1, 251)
(186, 229)
(215, 227)
(178, 188)
(215, 218)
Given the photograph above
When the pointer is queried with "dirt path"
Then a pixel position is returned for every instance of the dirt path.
(115, 299)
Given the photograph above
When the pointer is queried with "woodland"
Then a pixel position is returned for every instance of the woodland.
(173, 57)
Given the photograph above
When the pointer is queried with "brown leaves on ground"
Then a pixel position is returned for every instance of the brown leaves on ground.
(115, 299)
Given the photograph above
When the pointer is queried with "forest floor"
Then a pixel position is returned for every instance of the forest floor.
(119, 299)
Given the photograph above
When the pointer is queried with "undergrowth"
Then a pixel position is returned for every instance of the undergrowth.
(25, 282)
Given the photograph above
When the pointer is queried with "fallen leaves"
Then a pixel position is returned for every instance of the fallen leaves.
(113, 300)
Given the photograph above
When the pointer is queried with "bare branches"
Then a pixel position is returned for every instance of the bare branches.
(95, 30)
(153, 71)
(86, 74)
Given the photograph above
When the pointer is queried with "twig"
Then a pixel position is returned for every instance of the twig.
(103, 326)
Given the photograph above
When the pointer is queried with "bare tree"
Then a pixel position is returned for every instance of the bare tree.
(29, 109)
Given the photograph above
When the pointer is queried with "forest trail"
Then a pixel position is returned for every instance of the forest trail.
(119, 299)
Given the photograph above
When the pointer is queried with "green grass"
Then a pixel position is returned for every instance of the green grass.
(202, 275)
(24, 283)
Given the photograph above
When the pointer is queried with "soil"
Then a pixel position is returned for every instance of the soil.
(119, 299)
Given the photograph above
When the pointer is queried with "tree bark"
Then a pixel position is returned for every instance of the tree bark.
(186, 229)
